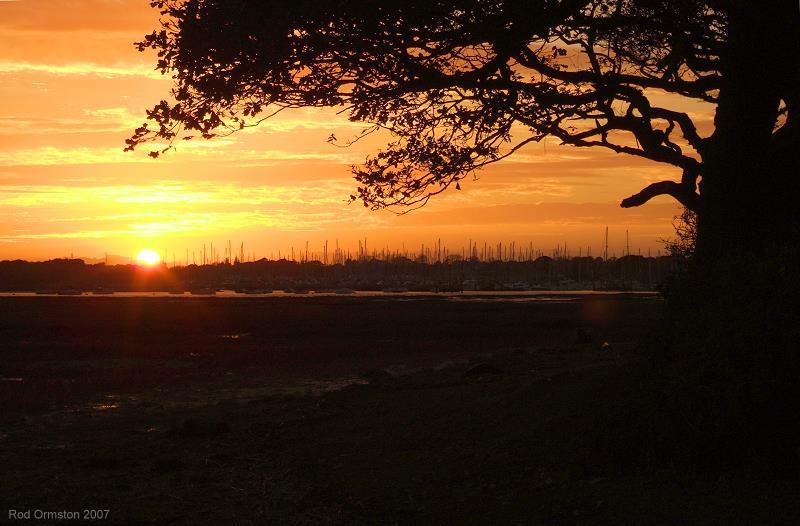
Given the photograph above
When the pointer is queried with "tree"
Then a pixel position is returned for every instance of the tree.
(682, 245)
(464, 83)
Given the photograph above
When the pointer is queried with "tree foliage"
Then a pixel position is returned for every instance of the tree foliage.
(459, 83)
(683, 245)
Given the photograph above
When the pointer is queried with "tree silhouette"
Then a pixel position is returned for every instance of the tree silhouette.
(465, 83)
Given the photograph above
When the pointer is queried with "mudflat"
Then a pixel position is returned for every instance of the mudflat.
(55, 351)
(341, 411)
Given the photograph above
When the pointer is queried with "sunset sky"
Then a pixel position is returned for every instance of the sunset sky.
(72, 88)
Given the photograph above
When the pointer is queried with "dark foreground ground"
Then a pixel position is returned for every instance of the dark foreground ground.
(341, 411)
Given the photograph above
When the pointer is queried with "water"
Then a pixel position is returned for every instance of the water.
(478, 295)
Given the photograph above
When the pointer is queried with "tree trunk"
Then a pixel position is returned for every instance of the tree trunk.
(748, 196)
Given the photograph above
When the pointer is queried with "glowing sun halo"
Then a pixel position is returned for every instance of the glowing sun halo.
(148, 258)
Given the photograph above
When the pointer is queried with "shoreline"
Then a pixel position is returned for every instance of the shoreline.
(353, 294)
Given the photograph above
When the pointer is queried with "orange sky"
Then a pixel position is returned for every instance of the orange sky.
(72, 88)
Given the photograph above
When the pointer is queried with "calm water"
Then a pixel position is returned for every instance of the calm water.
(482, 295)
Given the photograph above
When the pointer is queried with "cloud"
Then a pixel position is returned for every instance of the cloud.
(195, 194)
(553, 213)
(104, 120)
(167, 209)
(189, 151)
(82, 69)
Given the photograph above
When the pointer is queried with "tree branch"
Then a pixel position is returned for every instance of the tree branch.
(681, 193)
(698, 88)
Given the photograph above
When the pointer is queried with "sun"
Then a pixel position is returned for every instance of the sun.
(148, 258)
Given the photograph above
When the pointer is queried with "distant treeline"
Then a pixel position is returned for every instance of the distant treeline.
(631, 272)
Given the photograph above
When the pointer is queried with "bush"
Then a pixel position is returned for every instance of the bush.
(726, 377)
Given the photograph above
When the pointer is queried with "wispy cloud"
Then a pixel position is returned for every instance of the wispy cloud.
(167, 209)
(189, 151)
(81, 68)
(104, 120)
(197, 194)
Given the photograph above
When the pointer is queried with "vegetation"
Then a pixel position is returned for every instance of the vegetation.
(464, 83)
(684, 244)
